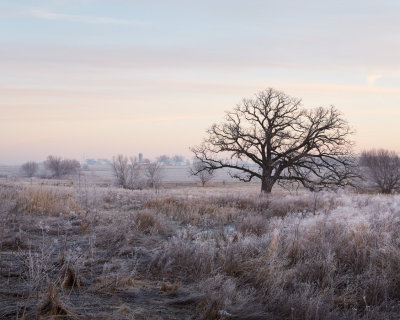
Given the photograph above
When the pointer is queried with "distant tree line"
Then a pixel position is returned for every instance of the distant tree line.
(128, 172)
(171, 160)
(55, 167)
(377, 170)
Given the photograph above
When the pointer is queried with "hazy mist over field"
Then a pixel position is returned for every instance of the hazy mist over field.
(97, 78)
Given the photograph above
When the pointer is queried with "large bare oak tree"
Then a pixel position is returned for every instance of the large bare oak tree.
(272, 138)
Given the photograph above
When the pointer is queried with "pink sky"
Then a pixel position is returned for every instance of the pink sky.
(96, 78)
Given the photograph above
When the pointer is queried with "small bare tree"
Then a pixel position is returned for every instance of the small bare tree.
(120, 169)
(199, 170)
(154, 174)
(70, 166)
(29, 169)
(60, 167)
(128, 172)
(382, 167)
(136, 179)
(53, 164)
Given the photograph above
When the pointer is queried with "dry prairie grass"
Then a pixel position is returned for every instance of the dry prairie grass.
(193, 212)
(36, 199)
(186, 253)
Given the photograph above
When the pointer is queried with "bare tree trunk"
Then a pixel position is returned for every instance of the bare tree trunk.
(267, 184)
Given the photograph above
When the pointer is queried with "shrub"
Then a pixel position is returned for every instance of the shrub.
(383, 169)
(29, 169)
(128, 173)
(60, 167)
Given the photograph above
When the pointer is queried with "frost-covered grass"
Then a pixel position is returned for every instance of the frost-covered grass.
(200, 253)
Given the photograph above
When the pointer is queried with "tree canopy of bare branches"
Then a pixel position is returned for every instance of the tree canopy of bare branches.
(121, 170)
(272, 138)
(200, 170)
(29, 169)
(382, 168)
(128, 172)
(60, 167)
(155, 174)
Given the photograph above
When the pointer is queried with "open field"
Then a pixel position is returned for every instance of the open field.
(103, 175)
(221, 252)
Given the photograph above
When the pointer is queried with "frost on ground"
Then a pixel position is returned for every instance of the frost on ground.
(197, 253)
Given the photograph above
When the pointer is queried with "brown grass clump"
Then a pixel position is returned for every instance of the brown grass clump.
(148, 222)
(165, 287)
(211, 310)
(188, 211)
(145, 220)
(254, 203)
(124, 310)
(52, 306)
(114, 283)
(85, 226)
(39, 199)
(182, 259)
(71, 279)
(253, 224)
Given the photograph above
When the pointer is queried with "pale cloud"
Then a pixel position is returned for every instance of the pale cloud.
(135, 57)
(342, 88)
(371, 79)
(48, 15)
